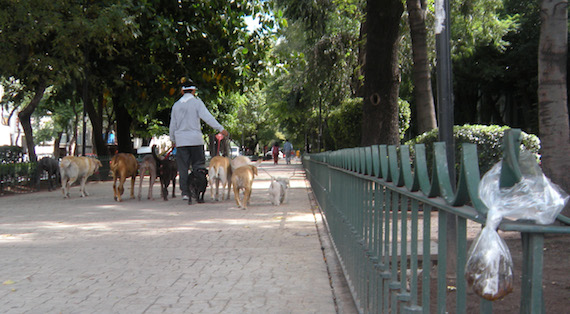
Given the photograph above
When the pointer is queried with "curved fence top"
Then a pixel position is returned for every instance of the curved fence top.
(394, 164)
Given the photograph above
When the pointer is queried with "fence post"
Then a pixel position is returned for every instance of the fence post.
(532, 299)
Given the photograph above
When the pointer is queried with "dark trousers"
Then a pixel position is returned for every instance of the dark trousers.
(187, 156)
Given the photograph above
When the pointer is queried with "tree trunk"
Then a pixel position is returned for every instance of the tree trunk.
(96, 123)
(552, 93)
(73, 141)
(381, 73)
(124, 121)
(425, 108)
(56, 143)
(25, 116)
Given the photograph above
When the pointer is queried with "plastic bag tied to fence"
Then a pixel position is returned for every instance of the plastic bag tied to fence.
(489, 268)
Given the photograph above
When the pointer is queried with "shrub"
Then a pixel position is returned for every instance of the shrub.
(11, 154)
(489, 140)
(345, 122)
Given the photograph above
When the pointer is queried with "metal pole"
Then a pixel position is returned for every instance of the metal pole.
(445, 113)
(83, 118)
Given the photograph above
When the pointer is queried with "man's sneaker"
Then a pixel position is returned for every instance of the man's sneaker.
(185, 197)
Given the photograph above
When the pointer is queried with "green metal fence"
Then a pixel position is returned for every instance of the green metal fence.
(383, 211)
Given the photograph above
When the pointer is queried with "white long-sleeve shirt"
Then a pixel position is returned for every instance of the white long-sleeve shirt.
(185, 129)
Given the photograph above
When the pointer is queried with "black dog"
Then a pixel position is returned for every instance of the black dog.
(51, 166)
(197, 183)
(167, 170)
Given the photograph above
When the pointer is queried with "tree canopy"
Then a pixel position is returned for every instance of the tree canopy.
(299, 74)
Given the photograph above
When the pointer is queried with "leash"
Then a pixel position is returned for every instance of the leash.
(169, 152)
(273, 178)
(219, 137)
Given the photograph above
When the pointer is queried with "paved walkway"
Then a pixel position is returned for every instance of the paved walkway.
(94, 255)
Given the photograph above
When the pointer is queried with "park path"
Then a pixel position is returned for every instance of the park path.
(94, 255)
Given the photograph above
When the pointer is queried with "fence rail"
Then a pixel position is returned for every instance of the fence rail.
(383, 211)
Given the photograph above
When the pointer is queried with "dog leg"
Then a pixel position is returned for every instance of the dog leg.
(133, 179)
(63, 190)
(164, 188)
(121, 188)
(141, 175)
(212, 179)
(150, 186)
(229, 183)
(236, 195)
(50, 183)
(173, 187)
(246, 196)
(215, 183)
(83, 192)
(68, 188)
(115, 187)
(201, 197)
(284, 196)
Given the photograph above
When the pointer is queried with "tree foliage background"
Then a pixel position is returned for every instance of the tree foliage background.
(297, 75)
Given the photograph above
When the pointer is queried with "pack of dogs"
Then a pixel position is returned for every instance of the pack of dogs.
(235, 174)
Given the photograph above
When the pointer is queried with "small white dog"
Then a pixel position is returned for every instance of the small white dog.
(278, 190)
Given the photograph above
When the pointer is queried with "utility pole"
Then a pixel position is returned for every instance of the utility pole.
(445, 115)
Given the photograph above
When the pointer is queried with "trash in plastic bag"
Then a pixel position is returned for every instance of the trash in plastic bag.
(535, 197)
(489, 269)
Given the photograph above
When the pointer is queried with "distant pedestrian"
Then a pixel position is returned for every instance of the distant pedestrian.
(287, 150)
(275, 153)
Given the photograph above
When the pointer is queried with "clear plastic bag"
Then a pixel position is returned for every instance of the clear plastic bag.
(535, 197)
(489, 269)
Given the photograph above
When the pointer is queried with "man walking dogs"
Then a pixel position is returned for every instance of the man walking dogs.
(186, 134)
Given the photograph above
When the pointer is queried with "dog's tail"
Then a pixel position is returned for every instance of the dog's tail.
(217, 172)
(113, 164)
(65, 163)
(156, 157)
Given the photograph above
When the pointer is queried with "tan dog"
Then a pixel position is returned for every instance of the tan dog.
(220, 172)
(123, 165)
(242, 179)
(72, 168)
(148, 164)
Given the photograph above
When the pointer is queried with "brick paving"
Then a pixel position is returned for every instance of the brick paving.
(94, 255)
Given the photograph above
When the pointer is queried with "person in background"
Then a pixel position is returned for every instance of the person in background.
(287, 150)
(275, 153)
(186, 133)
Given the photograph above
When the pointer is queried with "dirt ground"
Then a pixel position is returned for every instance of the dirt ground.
(556, 278)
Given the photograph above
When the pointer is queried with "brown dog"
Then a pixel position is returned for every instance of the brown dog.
(220, 171)
(122, 166)
(72, 168)
(242, 179)
(148, 164)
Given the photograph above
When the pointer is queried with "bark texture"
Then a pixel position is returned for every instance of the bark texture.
(425, 108)
(381, 72)
(552, 93)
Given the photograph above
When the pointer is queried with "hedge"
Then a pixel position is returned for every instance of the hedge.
(489, 140)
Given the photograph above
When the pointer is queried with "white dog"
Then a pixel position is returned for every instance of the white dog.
(220, 172)
(74, 168)
(278, 190)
